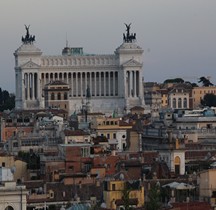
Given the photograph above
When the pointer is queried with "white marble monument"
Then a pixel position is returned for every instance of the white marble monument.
(114, 82)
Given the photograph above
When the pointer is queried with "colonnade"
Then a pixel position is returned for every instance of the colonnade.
(98, 83)
(132, 84)
(30, 81)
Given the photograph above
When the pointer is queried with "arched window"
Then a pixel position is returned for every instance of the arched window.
(185, 103)
(59, 96)
(65, 96)
(52, 96)
(177, 164)
(65, 76)
(9, 208)
(174, 103)
(56, 75)
(179, 103)
(60, 76)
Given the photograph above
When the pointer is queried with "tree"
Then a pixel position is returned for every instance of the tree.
(7, 100)
(205, 82)
(154, 198)
(209, 100)
(193, 84)
(126, 198)
(32, 159)
(176, 80)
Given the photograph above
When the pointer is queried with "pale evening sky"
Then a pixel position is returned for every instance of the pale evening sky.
(178, 36)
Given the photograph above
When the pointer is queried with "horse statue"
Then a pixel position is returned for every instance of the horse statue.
(28, 39)
(128, 37)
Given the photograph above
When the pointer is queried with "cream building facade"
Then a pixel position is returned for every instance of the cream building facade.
(111, 82)
(179, 97)
(198, 94)
(114, 129)
(207, 183)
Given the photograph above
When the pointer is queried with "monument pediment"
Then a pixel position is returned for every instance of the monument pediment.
(131, 62)
(30, 65)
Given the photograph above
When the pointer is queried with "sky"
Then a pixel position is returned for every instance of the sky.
(178, 36)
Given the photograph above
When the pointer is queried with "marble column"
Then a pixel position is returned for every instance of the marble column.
(99, 83)
(86, 84)
(90, 78)
(76, 84)
(105, 90)
(95, 84)
(135, 85)
(81, 84)
(33, 86)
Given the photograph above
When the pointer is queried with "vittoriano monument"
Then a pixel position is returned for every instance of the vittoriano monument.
(108, 82)
(28, 39)
(127, 37)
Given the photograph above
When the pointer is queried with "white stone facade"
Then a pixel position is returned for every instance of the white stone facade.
(169, 156)
(114, 81)
(12, 196)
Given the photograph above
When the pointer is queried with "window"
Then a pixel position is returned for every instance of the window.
(114, 135)
(52, 96)
(65, 96)
(9, 208)
(59, 96)
(51, 194)
(15, 144)
(85, 152)
(71, 168)
(185, 103)
(179, 103)
(174, 103)
(113, 187)
(209, 126)
(108, 136)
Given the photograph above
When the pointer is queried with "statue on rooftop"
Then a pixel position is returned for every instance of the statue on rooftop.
(28, 39)
(27, 31)
(129, 37)
(128, 28)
